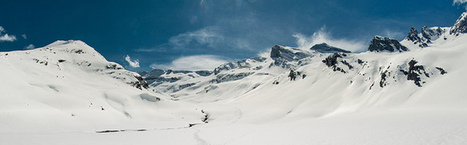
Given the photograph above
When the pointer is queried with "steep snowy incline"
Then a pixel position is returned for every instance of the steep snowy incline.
(68, 83)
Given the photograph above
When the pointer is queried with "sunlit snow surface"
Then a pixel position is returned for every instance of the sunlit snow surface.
(68, 101)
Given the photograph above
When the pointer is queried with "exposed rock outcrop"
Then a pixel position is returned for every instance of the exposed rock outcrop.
(431, 34)
(427, 35)
(460, 26)
(413, 36)
(289, 54)
(380, 44)
(325, 48)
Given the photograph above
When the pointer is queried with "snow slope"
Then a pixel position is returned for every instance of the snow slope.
(67, 93)
(68, 83)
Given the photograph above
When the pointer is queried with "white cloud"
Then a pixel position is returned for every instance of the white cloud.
(195, 62)
(6, 37)
(30, 46)
(133, 63)
(306, 42)
(24, 36)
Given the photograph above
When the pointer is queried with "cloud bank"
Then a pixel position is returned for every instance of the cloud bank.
(133, 63)
(306, 42)
(6, 37)
(195, 62)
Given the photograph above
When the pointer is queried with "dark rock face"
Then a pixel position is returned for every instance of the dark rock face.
(380, 44)
(276, 51)
(140, 84)
(431, 34)
(425, 37)
(282, 56)
(413, 36)
(292, 75)
(384, 76)
(279, 52)
(331, 61)
(460, 26)
(325, 48)
(203, 73)
(441, 70)
(414, 72)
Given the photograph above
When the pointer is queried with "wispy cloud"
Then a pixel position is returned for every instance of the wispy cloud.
(195, 62)
(393, 34)
(24, 36)
(208, 36)
(459, 2)
(133, 63)
(30, 46)
(322, 36)
(6, 37)
(160, 48)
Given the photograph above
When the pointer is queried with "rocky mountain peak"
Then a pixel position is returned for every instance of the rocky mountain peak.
(427, 35)
(287, 53)
(325, 48)
(460, 26)
(413, 35)
(380, 44)
(431, 34)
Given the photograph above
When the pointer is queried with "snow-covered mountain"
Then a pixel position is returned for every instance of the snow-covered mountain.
(408, 92)
(69, 83)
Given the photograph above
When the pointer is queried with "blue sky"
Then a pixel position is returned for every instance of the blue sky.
(176, 33)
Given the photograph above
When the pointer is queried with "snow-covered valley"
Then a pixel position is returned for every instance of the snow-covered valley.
(412, 92)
